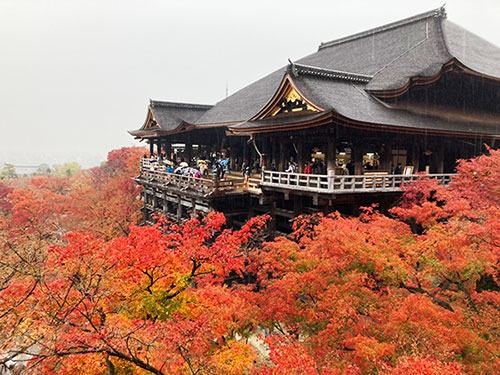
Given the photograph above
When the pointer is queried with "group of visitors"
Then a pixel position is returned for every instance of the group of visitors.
(219, 167)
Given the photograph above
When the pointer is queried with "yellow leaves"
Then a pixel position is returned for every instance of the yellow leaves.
(234, 358)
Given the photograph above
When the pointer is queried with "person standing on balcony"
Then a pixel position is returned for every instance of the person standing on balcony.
(399, 169)
(307, 169)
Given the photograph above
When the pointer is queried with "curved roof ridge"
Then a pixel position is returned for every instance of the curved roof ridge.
(438, 12)
(159, 103)
(298, 69)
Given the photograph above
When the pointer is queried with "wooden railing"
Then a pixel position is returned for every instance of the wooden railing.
(156, 171)
(344, 184)
(333, 184)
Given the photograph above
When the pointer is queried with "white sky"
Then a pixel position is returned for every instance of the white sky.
(76, 74)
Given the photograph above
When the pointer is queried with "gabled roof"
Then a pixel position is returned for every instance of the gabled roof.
(353, 106)
(166, 117)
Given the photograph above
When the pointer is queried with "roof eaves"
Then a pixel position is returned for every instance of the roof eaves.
(439, 12)
(299, 69)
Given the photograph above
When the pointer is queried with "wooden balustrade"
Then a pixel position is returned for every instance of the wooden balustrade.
(156, 171)
(344, 184)
(333, 184)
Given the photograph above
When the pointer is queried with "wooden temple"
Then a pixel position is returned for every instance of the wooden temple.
(341, 128)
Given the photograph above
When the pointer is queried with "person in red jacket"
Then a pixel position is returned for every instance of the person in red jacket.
(307, 169)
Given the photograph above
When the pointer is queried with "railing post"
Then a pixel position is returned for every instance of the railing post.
(330, 177)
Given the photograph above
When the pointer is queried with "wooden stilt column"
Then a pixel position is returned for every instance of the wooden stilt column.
(179, 208)
(144, 207)
(272, 223)
(165, 203)
(151, 148)
(331, 154)
(193, 206)
(298, 204)
(155, 200)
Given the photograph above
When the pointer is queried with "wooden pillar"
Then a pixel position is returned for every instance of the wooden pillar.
(331, 154)
(274, 152)
(151, 148)
(298, 204)
(272, 223)
(179, 207)
(386, 161)
(301, 156)
(357, 159)
(440, 159)
(218, 145)
(155, 200)
(164, 203)
(144, 207)
(415, 157)
(193, 206)
(188, 151)
(267, 153)
(282, 157)
(168, 150)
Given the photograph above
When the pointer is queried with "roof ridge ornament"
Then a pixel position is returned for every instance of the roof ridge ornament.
(435, 13)
(159, 103)
(291, 68)
(300, 69)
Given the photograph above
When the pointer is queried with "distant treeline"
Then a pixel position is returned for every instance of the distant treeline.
(12, 171)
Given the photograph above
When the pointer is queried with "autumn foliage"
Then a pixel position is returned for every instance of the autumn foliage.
(84, 290)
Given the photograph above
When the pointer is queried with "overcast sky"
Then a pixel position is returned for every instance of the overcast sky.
(75, 75)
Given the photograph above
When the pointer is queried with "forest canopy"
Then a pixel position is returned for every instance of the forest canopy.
(84, 289)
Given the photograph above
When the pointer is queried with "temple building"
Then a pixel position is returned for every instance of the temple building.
(341, 128)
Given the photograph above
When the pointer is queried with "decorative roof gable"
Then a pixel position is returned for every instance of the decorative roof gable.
(150, 122)
(287, 100)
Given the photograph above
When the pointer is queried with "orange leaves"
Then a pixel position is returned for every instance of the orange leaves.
(424, 366)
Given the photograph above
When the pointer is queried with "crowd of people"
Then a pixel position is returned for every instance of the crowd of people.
(196, 168)
(219, 167)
